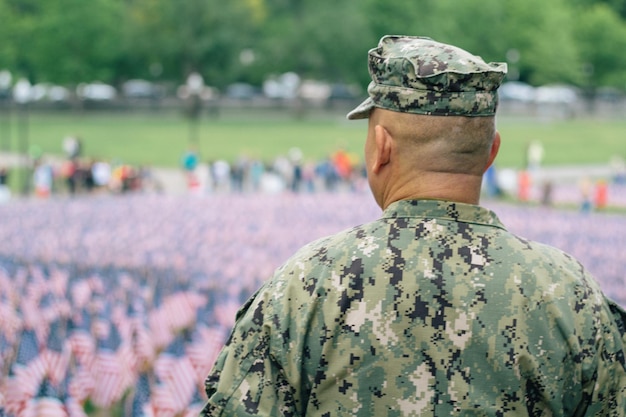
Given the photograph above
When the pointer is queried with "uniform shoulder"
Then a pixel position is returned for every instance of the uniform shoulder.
(334, 249)
(535, 250)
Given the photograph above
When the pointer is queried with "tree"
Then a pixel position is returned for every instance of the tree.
(600, 34)
(538, 35)
(543, 33)
(72, 41)
(182, 36)
(8, 31)
(325, 39)
(618, 6)
(66, 41)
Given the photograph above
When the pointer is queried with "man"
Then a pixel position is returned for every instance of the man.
(434, 309)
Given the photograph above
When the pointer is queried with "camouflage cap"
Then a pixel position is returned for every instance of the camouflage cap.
(418, 75)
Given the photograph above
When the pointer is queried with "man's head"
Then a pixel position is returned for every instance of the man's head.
(421, 76)
(432, 129)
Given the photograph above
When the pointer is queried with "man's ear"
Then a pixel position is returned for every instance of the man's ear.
(382, 140)
(495, 146)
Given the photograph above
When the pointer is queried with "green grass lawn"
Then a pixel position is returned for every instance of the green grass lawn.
(577, 141)
(160, 139)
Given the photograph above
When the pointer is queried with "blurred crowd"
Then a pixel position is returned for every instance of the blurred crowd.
(80, 174)
(87, 176)
(43, 175)
(339, 171)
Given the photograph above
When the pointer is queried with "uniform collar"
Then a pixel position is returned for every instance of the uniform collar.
(443, 210)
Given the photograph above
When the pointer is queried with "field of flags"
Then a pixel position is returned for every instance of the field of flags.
(118, 305)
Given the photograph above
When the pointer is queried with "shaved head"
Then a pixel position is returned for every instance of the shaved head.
(452, 144)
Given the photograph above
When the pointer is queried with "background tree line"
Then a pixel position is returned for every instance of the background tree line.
(581, 42)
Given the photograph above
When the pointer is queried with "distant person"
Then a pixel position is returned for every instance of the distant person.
(342, 163)
(190, 159)
(491, 182)
(618, 169)
(189, 163)
(585, 186)
(435, 309)
(101, 173)
(5, 191)
(524, 183)
(546, 193)
(220, 174)
(601, 195)
(239, 174)
(43, 179)
(70, 174)
(72, 146)
(534, 156)
(4, 176)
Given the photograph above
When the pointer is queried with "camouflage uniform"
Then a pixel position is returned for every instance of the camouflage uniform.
(434, 309)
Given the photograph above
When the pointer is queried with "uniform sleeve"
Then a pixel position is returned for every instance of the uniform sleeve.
(246, 380)
(608, 394)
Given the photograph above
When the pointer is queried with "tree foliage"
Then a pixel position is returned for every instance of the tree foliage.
(63, 41)
(601, 37)
(70, 41)
(175, 38)
(315, 38)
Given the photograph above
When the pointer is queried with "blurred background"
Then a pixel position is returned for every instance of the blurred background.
(71, 51)
(158, 159)
(145, 83)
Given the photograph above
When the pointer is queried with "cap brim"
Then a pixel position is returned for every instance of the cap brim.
(362, 111)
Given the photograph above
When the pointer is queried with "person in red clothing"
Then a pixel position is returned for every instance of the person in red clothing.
(523, 186)
(601, 194)
(342, 163)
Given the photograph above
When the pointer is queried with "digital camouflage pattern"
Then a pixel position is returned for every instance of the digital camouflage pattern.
(435, 309)
(419, 75)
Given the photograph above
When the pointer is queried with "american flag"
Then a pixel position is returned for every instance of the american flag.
(45, 404)
(141, 338)
(10, 325)
(196, 405)
(163, 402)
(203, 350)
(160, 328)
(176, 376)
(141, 405)
(82, 383)
(107, 369)
(81, 339)
(180, 309)
(26, 374)
(130, 314)
(74, 408)
(57, 351)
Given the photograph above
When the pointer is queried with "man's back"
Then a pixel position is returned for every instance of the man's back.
(435, 309)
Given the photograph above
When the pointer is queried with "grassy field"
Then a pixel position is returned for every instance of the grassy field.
(159, 139)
